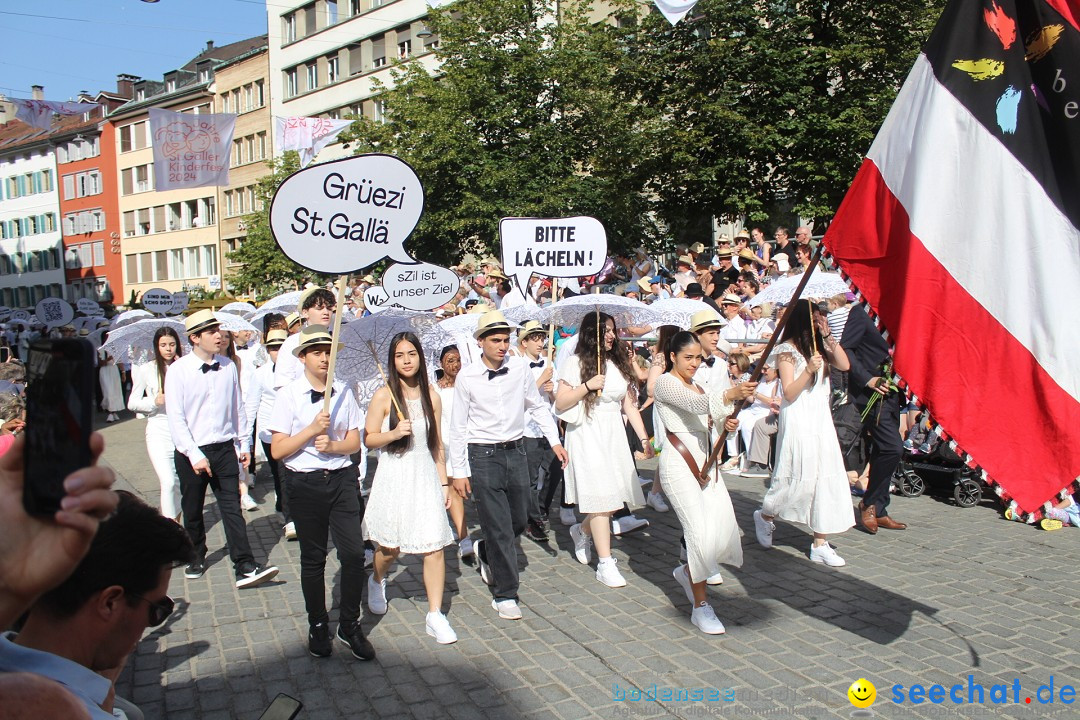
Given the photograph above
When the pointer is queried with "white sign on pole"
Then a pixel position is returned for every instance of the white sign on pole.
(375, 299)
(21, 316)
(179, 303)
(54, 312)
(88, 307)
(157, 301)
(346, 215)
(552, 247)
(420, 287)
(5, 313)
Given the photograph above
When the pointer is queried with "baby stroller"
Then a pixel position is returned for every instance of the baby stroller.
(928, 460)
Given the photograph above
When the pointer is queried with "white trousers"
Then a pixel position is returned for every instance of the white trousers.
(160, 448)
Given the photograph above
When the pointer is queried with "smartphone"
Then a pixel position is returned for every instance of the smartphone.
(283, 708)
(5, 354)
(59, 415)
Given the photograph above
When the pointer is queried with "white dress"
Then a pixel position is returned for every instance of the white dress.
(706, 514)
(112, 392)
(405, 508)
(809, 484)
(601, 475)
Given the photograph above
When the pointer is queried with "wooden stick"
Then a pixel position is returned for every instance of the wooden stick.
(719, 446)
(397, 408)
(813, 330)
(335, 333)
(551, 329)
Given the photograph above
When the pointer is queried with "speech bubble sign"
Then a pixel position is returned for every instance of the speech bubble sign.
(5, 312)
(21, 316)
(345, 215)
(157, 301)
(375, 299)
(552, 247)
(54, 312)
(421, 286)
(88, 307)
(180, 302)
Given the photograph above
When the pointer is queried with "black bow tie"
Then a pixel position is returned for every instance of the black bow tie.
(317, 396)
(492, 374)
(207, 367)
(710, 361)
(538, 363)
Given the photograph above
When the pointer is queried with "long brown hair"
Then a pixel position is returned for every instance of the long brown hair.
(394, 385)
(160, 361)
(797, 331)
(587, 352)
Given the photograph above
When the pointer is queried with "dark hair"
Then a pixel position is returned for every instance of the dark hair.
(663, 338)
(678, 342)
(272, 321)
(587, 351)
(504, 286)
(160, 361)
(741, 360)
(797, 332)
(393, 384)
(130, 549)
(447, 350)
(320, 298)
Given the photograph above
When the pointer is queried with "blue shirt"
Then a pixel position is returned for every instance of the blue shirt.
(83, 682)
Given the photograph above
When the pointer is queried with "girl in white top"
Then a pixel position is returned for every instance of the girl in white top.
(148, 398)
(111, 389)
(664, 333)
(410, 494)
(450, 364)
(809, 482)
(600, 475)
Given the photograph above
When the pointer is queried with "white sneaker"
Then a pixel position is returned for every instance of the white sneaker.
(656, 502)
(825, 553)
(248, 503)
(465, 547)
(376, 595)
(683, 578)
(643, 480)
(704, 617)
(764, 529)
(254, 575)
(369, 557)
(682, 553)
(290, 531)
(608, 573)
(716, 579)
(567, 516)
(508, 609)
(481, 563)
(582, 544)
(439, 628)
(627, 525)
(732, 463)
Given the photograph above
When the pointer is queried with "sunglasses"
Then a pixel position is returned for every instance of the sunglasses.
(160, 610)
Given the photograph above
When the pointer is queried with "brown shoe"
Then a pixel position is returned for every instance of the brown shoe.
(868, 518)
(889, 524)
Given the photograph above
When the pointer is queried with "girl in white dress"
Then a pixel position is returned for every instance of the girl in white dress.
(664, 333)
(809, 483)
(148, 398)
(706, 514)
(601, 475)
(406, 510)
(112, 392)
(767, 393)
(450, 364)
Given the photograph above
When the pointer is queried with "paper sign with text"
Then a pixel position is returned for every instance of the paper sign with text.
(54, 312)
(420, 287)
(5, 312)
(157, 301)
(551, 247)
(88, 307)
(179, 303)
(375, 299)
(346, 215)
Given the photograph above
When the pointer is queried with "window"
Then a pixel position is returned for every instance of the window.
(210, 259)
(260, 93)
(61, 154)
(310, 24)
(225, 103)
(236, 101)
(142, 179)
(161, 268)
(356, 59)
(332, 69)
(131, 268)
(204, 74)
(129, 223)
(404, 47)
(289, 31)
(229, 203)
(331, 12)
(378, 53)
(431, 43)
(127, 185)
(354, 7)
(240, 202)
(194, 262)
(126, 143)
(170, 85)
(261, 144)
(176, 264)
(312, 76)
(238, 152)
(99, 253)
(290, 83)
(380, 111)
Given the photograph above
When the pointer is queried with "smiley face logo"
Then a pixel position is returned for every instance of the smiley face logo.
(862, 693)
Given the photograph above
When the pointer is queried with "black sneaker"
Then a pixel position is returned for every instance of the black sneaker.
(252, 575)
(755, 470)
(353, 638)
(535, 531)
(195, 570)
(318, 640)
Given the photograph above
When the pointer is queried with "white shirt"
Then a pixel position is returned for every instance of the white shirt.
(493, 411)
(288, 367)
(294, 411)
(568, 348)
(532, 428)
(259, 397)
(144, 391)
(204, 408)
(447, 397)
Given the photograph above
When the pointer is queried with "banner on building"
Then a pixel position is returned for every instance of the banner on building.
(674, 10)
(190, 150)
(39, 113)
(306, 135)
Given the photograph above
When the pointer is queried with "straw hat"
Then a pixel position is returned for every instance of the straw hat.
(491, 321)
(781, 260)
(304, 296)
(645, 284)
(368, 279)
(744, 233)
(496, 273)
(731, 299)
(704, 320)
(747, 254)
(697, 248)
(723, 253)
(530, 328)
(312, 336)
(276, 338)
(291, 319)
(686, 260)
(480, 307)
(200, 320)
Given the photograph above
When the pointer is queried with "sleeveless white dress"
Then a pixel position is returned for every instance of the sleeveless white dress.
(809, 484)
(405, 508)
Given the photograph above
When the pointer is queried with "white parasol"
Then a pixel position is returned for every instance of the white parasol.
(129, 316)
(238, 308)
(234, 323)
(366, 343)
(821, 285)
(679, 311)
(283, 304)
(134, 343)
(569, 312)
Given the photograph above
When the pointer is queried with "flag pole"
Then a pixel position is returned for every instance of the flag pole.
(342, 280)
(739, 404)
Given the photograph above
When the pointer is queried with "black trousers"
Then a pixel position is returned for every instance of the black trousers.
(500, 488)
(326, 503)
(281, 503)
(885, 451)
(225, 482)
(544, 469)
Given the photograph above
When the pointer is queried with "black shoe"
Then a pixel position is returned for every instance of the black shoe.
(535, 531)
(195, 570)
(252, 575)
(755, 470)
(354, 639)
(318, 640)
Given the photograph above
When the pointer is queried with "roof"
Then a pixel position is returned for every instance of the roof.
(226, 52)
(17, 134)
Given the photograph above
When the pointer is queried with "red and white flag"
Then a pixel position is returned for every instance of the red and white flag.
(962, 233)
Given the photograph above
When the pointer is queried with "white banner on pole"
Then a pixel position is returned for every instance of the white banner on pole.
(190, 150)
(306, 135)
(39, 113)
(674, 10)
